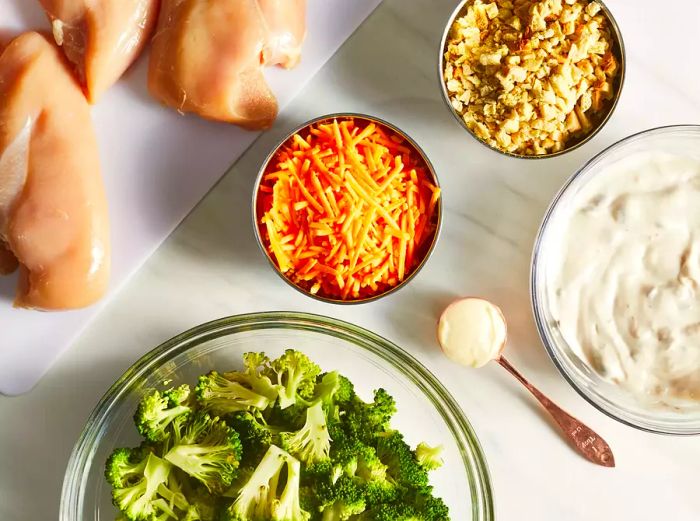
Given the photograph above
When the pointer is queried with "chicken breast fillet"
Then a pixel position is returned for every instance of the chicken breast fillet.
(285, 22)
(207, 57)
(53, 212)
(102, 38)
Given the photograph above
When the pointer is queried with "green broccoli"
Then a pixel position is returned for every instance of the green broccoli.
(158, 414)
(367, 420)
(258, 499)
(256, 436)
(135, 489)
(429, 507)
(429, 457)
(223, 396)
(312, 442)
(341, 499)
(203, 506)
(294, 376)
(402, 466)
(171, 492)
(292, 445)
(209, 451)
(253, 378)
(413, 506)
(324, 470)
(291, 418)
(308, 500)
(397, 511)
(361, 462)
(334, 390)
(126, 466)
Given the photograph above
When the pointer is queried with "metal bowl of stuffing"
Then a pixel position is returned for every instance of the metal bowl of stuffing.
(529, 80)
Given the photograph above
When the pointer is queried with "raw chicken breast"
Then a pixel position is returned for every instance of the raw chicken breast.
(207, 57)
(285, 21)
(53, 212)
(101, 37)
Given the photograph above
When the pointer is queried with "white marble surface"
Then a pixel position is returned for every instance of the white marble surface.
(211, 267)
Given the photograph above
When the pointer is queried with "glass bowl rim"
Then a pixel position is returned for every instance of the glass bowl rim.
(473, 458)
(543, 329)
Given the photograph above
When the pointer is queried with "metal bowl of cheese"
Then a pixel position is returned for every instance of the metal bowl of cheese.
(615, 280)
(530, 112)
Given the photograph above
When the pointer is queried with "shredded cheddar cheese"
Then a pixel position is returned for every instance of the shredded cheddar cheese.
(347, 209)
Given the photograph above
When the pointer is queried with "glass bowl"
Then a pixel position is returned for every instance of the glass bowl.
(426, 410)
(608, 397)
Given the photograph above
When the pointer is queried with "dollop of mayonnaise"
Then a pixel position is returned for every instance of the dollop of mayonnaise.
(623, 275)
(472, 332)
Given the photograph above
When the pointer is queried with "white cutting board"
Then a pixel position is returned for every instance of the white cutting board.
(156, 166)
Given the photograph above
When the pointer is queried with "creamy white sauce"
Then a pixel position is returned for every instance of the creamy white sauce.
(472, 332)
(624, 275)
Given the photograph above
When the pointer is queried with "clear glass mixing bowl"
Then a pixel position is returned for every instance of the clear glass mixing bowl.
(604, 395)
(426, 410)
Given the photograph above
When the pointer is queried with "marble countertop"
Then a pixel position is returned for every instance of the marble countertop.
(211, 267)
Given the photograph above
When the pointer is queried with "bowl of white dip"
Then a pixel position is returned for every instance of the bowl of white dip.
(615, 280)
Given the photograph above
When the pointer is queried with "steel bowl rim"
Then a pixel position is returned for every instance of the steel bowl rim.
(617, 38)
(374, 119)
(535, 304)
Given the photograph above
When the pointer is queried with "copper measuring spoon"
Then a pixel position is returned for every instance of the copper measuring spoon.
(473, 331)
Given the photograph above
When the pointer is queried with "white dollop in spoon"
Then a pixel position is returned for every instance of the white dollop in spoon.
(473, 331)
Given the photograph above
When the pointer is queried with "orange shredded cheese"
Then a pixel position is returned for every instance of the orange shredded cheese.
(347, 209)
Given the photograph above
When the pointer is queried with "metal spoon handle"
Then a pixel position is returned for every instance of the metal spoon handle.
(589, 444)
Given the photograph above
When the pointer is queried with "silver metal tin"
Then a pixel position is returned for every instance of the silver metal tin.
(618, 50)
(412, 144)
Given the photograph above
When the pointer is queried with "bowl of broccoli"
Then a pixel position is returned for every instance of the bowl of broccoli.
(279, 417)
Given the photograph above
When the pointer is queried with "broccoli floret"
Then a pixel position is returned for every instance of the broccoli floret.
(346, 390)
(158, 414)
(308, 500)
(429, 457)
(185, 502)
(288, 507)
(135, 493)
(255, 436)
(334, 390)
(224, 396)
(361, 462)
(253, 377)
(367, 420)
(209, 451)
(294, 376)
(203, 506)
(402, 466)
(355, 458)
(341, 499)
(323, 471)
(258, 499)
(312, 442)
(287, 419)
(172, 494)
(397, 511)
(369, 466)
(125, 467)
(429, 507)
(379, 492)
(413, 506)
